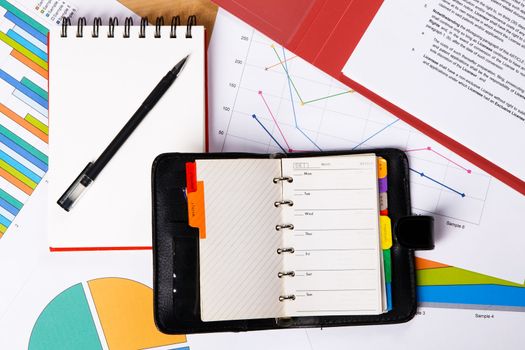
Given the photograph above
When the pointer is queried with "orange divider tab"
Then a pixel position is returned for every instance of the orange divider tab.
(196, 214)
(191, 177)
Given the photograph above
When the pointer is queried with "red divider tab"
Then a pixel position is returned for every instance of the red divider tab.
(191, 177)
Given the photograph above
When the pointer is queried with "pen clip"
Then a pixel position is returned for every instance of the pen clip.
(68, 200)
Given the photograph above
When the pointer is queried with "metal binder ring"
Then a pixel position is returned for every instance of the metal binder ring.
(143, 24)
(286, 273)
(97, 22)
(128, 22)
(285, 250)
(80, 26)
(66, 21)
(175, 21)
(279, 203)
(192, 20)
(286, 297)
(281, 227)
(159, 22)
(282, 178)
(113, 21)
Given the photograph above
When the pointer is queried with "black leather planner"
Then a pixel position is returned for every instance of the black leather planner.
(177, 294)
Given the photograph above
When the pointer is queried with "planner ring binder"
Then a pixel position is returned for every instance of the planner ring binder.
(287, 297)
(283, 202)
(290, 250)
(285, 226)
(282, 178)
(286, 273)
(128, 22)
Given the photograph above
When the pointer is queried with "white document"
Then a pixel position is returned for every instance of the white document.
(96, 85)
(471, 207)
(458, 66)
(327, 263)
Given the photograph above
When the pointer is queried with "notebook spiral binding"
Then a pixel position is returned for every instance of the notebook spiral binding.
(128, 22)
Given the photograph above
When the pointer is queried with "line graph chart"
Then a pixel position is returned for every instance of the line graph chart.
(264, 99)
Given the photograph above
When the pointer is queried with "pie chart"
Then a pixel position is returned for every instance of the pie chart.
(114, 313)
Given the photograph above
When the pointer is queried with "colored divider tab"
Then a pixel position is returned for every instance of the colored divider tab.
(381, 167)
(191, 177)
(385, 230)
(196, 214)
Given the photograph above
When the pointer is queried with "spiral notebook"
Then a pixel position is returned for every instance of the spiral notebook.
(99, 75)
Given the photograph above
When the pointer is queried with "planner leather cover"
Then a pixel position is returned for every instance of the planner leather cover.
(325, 33)
(176, 250)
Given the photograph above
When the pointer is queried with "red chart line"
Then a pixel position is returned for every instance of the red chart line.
(439, 155)
(275, 120)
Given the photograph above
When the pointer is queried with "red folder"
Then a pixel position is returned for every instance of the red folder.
(325, 33)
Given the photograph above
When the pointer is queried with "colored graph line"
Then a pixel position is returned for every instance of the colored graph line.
(437, 182)
(283, 62)
(440, 155)
(268, 132)
(274, 120)
(329, 96)
(375, 134)
(293, 106)
(278, 63)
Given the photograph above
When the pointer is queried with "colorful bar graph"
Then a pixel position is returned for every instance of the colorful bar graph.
(24, 17)
(27, 27)
(35, 88)
(16, 182)
(24, 89)
(23, 59)
(10, 199)
(7, 206)
(19, 167)
(37, 123)
(29, 38)
(30, 102)
(23, 126)
(27, 44)
(23, 123)
(18, 47)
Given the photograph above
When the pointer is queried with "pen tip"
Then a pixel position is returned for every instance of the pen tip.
(179, 66)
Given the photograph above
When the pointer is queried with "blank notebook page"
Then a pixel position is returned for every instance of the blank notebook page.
(96, 84)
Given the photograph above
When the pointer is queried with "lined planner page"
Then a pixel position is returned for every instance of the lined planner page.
(238, 260)
(336, 258)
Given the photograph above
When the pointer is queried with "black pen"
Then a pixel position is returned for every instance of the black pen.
(91, 171)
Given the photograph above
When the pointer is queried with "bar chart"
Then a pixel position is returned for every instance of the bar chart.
(23, 108)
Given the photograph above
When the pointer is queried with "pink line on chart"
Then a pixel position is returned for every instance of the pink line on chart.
(439, 154)
(275, 121)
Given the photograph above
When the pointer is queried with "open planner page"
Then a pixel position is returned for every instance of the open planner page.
(336, 259)
(238, 260)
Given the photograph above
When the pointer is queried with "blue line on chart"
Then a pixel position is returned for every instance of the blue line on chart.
(436, 181)
(268, 132)
(285, 67)
(375, 134)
